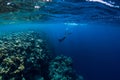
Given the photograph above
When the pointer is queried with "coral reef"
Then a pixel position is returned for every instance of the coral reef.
(26, 56)
(22, 53)
(61, 69)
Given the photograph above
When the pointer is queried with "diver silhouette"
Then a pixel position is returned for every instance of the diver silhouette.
(67, 32)
(62, 39)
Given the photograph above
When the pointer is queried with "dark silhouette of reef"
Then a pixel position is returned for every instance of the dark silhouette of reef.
(26, 56)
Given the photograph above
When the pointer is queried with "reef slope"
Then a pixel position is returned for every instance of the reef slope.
(26, 56)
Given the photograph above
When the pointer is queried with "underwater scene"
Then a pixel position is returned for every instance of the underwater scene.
(59, 39)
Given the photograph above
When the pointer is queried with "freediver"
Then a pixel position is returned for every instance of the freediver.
(62, 39)
(67, 32)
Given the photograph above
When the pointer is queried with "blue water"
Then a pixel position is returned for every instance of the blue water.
(94, 49)
(94, 39)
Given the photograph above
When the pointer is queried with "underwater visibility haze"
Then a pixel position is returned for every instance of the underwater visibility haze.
(59, 40)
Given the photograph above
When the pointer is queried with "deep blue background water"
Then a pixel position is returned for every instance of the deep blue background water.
(95, 49)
